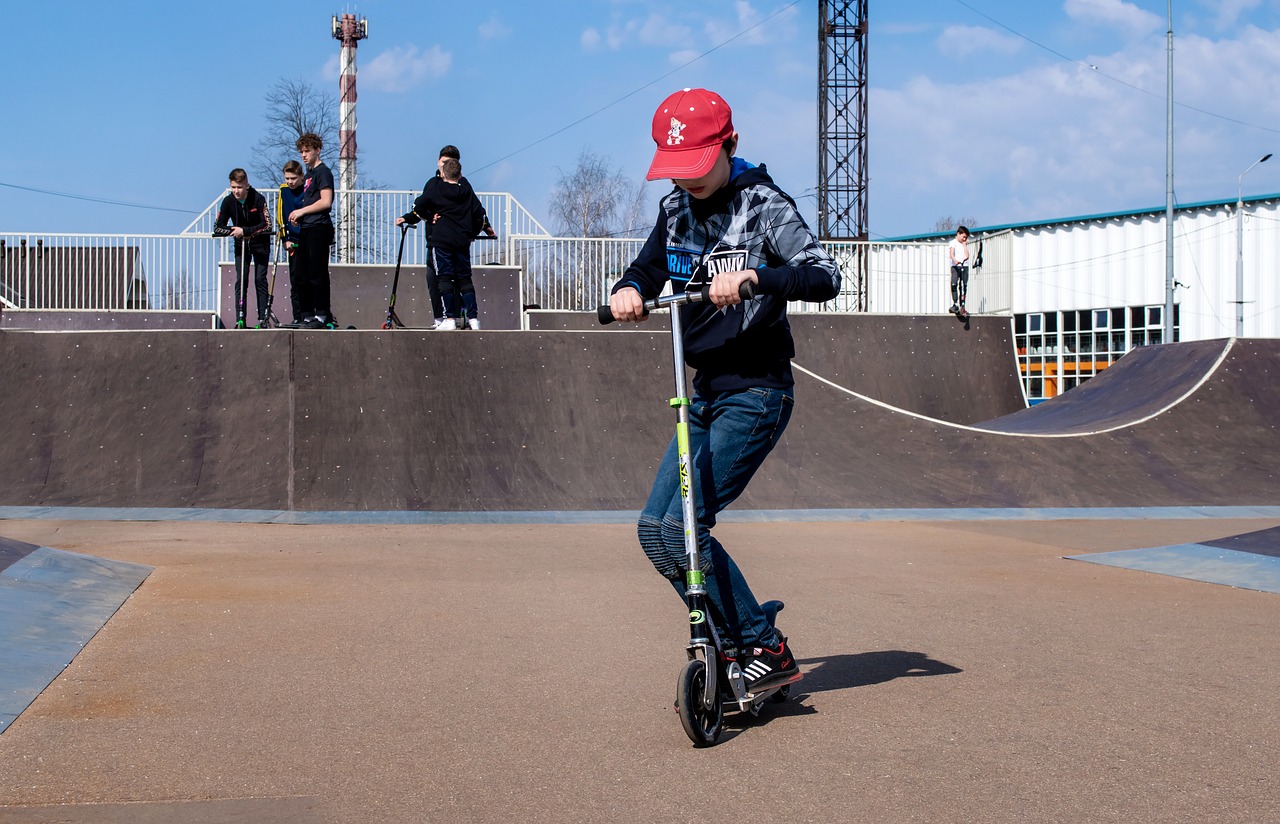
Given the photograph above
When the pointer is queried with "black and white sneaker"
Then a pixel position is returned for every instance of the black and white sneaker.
(765, 667)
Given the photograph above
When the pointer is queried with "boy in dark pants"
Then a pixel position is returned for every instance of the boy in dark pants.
(455, 216)
(959, 252)
(243, 215)
(433, 282)
(290, 198)
(315, 236)
(725, 222)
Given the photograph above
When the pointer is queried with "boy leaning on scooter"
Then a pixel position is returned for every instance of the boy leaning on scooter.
(725, 222)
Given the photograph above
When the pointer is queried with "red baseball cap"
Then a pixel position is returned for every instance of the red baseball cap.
(689, 128)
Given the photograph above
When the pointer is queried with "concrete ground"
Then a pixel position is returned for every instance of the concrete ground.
(955, 671)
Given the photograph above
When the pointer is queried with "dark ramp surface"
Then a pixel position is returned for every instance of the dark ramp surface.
(932, 366)
(1145, 382)
(1218, 446)
(576, 421)
(1263, 542)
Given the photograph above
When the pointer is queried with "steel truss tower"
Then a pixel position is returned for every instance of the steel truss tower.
(842, 127)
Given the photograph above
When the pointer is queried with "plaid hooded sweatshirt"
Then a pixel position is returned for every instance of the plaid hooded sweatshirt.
(748, 224)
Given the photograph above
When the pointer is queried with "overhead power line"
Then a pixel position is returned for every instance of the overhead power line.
(1112, 78)
(102, 200)
(639, 89)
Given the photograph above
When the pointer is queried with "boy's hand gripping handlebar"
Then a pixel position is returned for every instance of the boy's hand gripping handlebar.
(746, 291)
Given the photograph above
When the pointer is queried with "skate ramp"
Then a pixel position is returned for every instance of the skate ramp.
(1248, 561)
(1216, 446)
(1143, 384)
(510, 422)
(51, 604)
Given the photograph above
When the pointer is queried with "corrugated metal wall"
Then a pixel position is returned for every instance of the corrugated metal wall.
(1120, 261)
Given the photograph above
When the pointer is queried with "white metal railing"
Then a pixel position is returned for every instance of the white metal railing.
(180, 272)
(571, 274)
(373, 237)
(109, 271)
(576, 274)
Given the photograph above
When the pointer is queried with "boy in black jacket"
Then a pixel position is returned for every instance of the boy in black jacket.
(243, 215)
(455, 216)
(725, 222)
(289, 199)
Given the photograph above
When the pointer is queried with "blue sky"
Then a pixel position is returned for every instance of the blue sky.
(1001, 110)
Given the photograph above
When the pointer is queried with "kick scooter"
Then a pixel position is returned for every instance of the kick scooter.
(393, 321)
(711, 682)
(269, 320)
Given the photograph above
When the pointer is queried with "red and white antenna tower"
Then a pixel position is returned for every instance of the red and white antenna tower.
(350, 31)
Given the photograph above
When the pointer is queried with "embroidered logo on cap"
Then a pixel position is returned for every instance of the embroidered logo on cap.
(674, 138)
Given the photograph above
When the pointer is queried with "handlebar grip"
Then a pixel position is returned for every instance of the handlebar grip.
(604, 314)
(746, 291)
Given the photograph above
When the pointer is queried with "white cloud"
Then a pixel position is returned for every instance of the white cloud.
(1227, 12)
(962, 41)
(494, 28)
(403, 67)
(668, 29)
(680, 58)
(1063, 140)
(1115, 14)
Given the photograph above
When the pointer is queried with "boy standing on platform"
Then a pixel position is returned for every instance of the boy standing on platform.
(455, 216)
(315, 236)
(290, 198)
(243, 216)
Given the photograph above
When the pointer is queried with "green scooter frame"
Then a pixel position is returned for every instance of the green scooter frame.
(711, 682)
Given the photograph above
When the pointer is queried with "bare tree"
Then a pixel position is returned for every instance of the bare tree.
(948, 223)
(595, 200)
(294, 107)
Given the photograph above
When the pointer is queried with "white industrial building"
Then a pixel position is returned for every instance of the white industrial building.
(1082, 291)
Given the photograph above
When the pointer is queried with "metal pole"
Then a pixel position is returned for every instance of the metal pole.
(1240, 246)
(1168, 196)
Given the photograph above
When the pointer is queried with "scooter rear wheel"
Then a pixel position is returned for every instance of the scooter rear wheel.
(701, 723)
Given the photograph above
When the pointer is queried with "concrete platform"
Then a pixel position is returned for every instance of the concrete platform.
(960, 670)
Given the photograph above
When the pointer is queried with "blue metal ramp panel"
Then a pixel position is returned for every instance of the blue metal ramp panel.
(52, 603)
(12, 551)
(1198, 562)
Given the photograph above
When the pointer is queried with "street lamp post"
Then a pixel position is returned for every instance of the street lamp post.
(1240, 245)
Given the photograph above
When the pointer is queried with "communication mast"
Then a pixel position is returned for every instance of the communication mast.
(350, 31)
(842, 128)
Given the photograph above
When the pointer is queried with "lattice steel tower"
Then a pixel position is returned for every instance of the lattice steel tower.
(842, 119)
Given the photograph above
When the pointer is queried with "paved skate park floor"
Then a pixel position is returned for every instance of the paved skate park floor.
(955, 670)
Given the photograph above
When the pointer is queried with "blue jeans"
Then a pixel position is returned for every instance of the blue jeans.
(729, 436)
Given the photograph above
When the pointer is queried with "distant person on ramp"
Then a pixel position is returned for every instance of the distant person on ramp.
(725, 222)
(959, 252)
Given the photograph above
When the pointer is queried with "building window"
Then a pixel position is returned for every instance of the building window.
(1057, 351)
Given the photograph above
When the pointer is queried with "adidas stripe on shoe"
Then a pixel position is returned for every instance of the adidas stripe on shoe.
(766, 667)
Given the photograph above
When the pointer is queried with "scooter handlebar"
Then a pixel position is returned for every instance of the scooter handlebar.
(746, 291)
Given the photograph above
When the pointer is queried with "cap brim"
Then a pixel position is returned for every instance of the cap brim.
(682, 165)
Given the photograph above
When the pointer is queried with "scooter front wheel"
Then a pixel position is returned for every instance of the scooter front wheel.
(701, 723)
